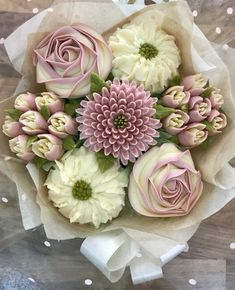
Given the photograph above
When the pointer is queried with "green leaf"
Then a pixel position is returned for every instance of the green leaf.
(70, 109)
(76, 101)
(39, 162)
(175, 81)
(79, 143)
(174, 139)
(31, 140)
(209, 127)
(207, 92)
(110, 77)
(14, 114)
(97, 83)
(69, 143)
(156, 95)
(71, 106)
(104, 162)
(207, 142)
(162, 112)
(167, 138)
(45, 112)
(48, 166)
(128, 168)
(164, 137)
(185, 108)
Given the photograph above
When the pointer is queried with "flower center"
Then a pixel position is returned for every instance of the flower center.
(177, 121)
(148, 51)
(120, 121)
(82, 190)
(58, 123)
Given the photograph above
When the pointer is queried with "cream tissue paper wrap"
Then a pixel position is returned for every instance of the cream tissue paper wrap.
(145, 244)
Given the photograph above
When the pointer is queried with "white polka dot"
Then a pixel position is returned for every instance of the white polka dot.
(192, 281)
(50, 9)
(4, 199)
(47, 244)
(138, 255)
(225, 47)
(23, 197)
(230, 10)
(35, 10)
(7, 158)
(31, 279)
(232, 246)
(88, 282)
(195, 13)
(218, 30)
(2, 40)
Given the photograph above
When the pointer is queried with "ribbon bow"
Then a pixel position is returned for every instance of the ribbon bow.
(111, 252)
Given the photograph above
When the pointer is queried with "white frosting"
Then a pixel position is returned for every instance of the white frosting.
(108, 193)
(154, 73)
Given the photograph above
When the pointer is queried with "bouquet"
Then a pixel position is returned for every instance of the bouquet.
(120, 131)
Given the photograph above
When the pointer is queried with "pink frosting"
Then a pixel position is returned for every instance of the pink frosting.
(65, 59)
(164, 183)
(98, 116)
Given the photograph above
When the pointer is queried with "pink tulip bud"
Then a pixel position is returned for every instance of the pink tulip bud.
(218, 122)
(61, 125)
(193, 135)
(175, 122)
(175, 97)
(217, 100)
(25, 102)
(195, 84)
(199, 109)
(33, 123)
(48, 147)
(12, 128)
(51, 100)
(18, 145)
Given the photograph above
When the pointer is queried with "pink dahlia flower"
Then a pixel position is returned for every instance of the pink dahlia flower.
(120, 121)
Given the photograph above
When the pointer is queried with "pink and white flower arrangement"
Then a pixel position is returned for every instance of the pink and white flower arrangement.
(117, 120)
(117, 130)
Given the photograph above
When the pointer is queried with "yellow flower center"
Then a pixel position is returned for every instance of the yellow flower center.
(148, 51)
(120, 121)
(82, 190)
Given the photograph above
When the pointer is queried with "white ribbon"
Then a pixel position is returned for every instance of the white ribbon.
(111, 252)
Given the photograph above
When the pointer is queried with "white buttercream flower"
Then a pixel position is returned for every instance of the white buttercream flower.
(146, 54)
(82, 193)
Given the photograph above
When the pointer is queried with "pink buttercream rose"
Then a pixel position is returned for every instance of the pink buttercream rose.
(164, 183)
(48, 147)
(66, 58)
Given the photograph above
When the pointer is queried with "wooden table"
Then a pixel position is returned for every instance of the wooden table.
(27, 263)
